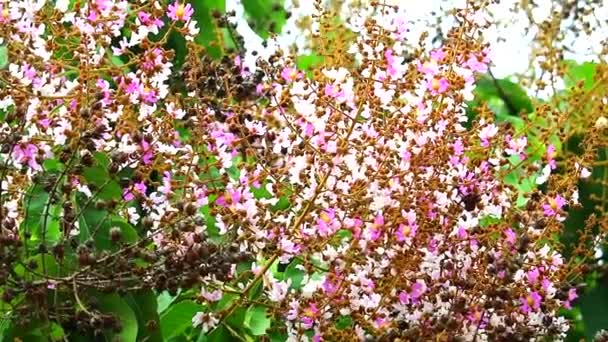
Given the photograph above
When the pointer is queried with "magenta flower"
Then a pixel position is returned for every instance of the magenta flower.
(309, 315)
(231, 196)
(148, 152)
(533, 276)
(551, 153)
(437, 55)
(178, 11)
(476, 65)
(327, 223)
(376, 228)
(554, 205)
(572, 295)
(416, 291)
(138, 188)
(531, 302)
(26, 153)
(487, 133)
(391, 62)
(290, 74)
(148, 20)
(510, 236)
(438, 86)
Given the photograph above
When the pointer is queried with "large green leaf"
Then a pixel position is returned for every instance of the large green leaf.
(579, 72)
(257, 320)
(100, 178)
(96, 224)
(207, 36)
(41, 219)
(178, 317)
(144, 305)
(164, 300)
(115, 305)
(266, 16)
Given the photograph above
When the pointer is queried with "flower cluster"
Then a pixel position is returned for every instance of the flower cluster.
(354, 201)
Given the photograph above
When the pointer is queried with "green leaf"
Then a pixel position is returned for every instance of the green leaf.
(593, 306)
(265, 16)
(144, 305)
(164, 299)
(52, 165)
(257, 320)
(296, 275)
(512, 95)
(208, 34)
(308, 63)
(115, 305)
(344, 322)
(96, 224)
(579, 72)
(3, 56)
(50, 268)
(41, 220)
(178, 318)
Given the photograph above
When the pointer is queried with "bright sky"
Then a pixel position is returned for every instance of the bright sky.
(511, 54)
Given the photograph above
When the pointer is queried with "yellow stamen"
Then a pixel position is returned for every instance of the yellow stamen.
(435, 84)
(325, 217)
(180, 11)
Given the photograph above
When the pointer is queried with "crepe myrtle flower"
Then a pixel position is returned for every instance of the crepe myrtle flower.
(438, 85)
(178, 11)
(309, 315)
(572, 295)
(291, 74)
(551, 154)
(130, 193)
(327, 223)
(510, 236)
(554, 204)
(26, 154)
(531, 302)
(416, 291)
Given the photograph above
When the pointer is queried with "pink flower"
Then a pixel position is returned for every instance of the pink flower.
(572, 295)
(554, 205)
(487, 133)
(437, 55)
(309, 315)
(327, 223)
(510, 236)
(391, 62)
(26, 153)
(376, 227)
(416, 291)
(4, 14)
(166, 187)
(476, 65)
(551, 153)
(531, 302)
(533, 276)
(290, 74)
(517, 146)
(438, 86)
(177, 11)
(138, 188)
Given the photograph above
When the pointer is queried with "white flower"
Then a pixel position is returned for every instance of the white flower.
(279, 290)
(207, 321)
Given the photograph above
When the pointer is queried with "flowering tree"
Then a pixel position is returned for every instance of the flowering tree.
(156, 187)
